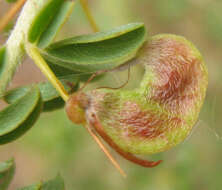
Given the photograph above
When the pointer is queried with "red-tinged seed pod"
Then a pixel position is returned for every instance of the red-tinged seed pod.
(157, 115)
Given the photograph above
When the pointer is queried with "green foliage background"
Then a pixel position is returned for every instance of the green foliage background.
(55, 145)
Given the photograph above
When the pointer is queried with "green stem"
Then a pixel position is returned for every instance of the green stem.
(43, 66)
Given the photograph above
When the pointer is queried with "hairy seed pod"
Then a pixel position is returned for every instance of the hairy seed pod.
(161, 112)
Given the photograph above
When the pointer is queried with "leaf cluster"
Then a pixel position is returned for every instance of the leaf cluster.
(7, 171)
(72, 60)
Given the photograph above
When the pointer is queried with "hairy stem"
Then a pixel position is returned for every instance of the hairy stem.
(15, 45)
(40, 62)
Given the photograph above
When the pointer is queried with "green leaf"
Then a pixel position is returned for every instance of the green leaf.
(54, 184)
(70, 75)
(48, 92)
(61, 72)
(11, 1)
(44, 23)
(19, 117)
(54, 104)
(99, 51)
(2, 58)
(58, 20)
(32, 187)
(50, 96)
(7, 170)
(15, 94)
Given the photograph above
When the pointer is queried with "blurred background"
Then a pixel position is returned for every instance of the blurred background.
(54, 145)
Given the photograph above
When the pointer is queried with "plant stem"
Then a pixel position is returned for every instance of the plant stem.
(43, 66)
(89, 15)
(11, 13)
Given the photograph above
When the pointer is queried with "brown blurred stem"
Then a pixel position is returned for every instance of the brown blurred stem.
(11, 13)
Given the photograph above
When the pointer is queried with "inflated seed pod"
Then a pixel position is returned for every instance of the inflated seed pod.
(157, 115)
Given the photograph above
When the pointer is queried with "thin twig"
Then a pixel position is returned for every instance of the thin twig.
(91, 78)
(11, 13)
(89, 15)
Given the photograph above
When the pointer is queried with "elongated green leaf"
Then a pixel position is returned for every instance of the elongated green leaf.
(14, 95)
(99, 36)
(54, 184)
(48, 92)
(14, 115)
(11, 1)
(52, 29)
(43, 19)
(7, 170)
(2, 52)
(99, 51)
(18, 117)
(50, 96)
(54, 104)
(61, 72)
(2, 58)
(70, 75)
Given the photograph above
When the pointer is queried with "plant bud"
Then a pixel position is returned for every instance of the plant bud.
(76, 106)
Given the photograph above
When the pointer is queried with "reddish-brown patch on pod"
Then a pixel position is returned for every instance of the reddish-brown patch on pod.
(99, 129)
(179, 73)
(146, 124)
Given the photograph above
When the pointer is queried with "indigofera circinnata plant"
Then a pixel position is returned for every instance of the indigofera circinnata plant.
(152, 118)
(157, 115)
